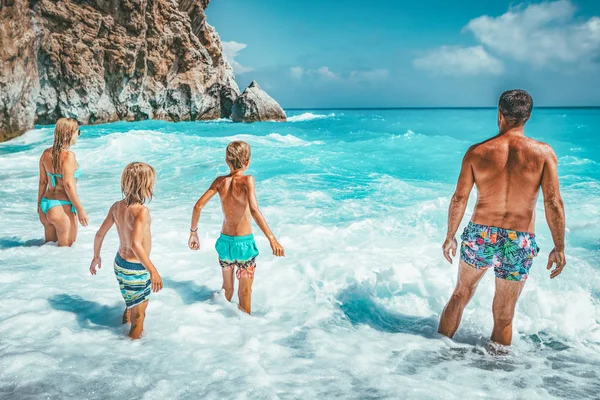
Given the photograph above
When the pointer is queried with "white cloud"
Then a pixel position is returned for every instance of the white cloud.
(231, 51)
(371, 75)
(324, 73)
(455, 60)
(297, 72)
(539, 33)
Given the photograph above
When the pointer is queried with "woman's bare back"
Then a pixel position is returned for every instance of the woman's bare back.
(54, 192)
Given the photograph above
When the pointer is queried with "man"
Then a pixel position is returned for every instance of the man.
(509, 170)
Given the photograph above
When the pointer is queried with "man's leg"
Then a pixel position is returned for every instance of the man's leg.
(468, 279)
(228, 281)
(505, 300)
(137, 315)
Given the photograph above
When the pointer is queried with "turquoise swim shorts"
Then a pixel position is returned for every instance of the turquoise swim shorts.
(238, 251)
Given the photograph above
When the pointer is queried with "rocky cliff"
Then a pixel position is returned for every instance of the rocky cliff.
(108, 60)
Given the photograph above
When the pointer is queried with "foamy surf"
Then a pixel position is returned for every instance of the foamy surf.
(308, 116)
(360, 206)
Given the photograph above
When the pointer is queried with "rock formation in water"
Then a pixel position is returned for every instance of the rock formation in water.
(256, 105)
(107, 60)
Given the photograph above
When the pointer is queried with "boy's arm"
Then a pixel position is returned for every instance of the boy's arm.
(194, 242)
(260, 220)
(555, 213)
(99, 239)
(140, 222)
(43, 183)
(458, 204)
(69, 167)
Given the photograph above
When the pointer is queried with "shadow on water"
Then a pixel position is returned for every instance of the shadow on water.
(358, 305)
(88, 313)
(12, 242)
(189, 291)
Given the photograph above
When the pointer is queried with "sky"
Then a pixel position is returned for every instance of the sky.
(424, 53)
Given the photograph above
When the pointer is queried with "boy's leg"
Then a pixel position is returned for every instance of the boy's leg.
(126, 316)
(137, 315)
(245, 292)
(228, 281)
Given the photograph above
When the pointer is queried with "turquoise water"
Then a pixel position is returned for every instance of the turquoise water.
(359, 200)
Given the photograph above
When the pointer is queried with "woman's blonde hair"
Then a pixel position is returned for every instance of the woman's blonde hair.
(63, 136)
(137, 183)
(237, 154)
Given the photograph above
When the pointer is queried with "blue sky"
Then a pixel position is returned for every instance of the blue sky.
(425, 53)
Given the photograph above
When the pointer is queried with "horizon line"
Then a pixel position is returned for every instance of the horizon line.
(433, 108)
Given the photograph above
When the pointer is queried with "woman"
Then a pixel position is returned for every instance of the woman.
(58, 203)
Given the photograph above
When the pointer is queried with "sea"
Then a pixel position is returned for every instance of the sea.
(358, 199)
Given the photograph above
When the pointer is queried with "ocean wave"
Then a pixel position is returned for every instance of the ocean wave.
(308, 117)
(273, 139)
(572, 160)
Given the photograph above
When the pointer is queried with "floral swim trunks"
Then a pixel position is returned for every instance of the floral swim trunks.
(510, 252)
(238, 252)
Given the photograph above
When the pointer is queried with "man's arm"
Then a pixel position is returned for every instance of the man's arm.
(99, 239)
(260, 220)
(458, 205)
(555, 213)
(194, 242)
(141, 219)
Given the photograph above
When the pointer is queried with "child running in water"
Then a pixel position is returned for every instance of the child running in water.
(135, 273)
(236, 246)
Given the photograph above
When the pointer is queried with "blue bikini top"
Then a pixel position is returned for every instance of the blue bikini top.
(53, 177)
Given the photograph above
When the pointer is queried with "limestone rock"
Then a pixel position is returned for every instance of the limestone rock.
(256, 105)
(107, 60)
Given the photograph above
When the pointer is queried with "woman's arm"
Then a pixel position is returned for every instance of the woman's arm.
(99, 239)
(43, 184)
(194, 242)
(141, 219)
(69, 165)
(260, 220)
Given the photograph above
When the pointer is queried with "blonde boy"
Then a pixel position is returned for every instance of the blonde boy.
(135, 273)
(236, 246)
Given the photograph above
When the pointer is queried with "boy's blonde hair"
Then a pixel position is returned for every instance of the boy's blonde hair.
(137, 183)
(63, 136)
(237, 154)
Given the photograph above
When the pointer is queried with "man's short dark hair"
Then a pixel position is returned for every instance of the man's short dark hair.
(515, 106)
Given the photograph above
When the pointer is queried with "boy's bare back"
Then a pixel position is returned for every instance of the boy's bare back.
(234, 192)
(125, 218)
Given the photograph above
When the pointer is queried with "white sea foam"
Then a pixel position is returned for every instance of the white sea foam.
(350, 312)
(308, 116)
(572, 160)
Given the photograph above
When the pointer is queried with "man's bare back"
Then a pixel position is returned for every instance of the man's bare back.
(507, 170)
(125, 218)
